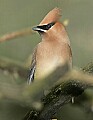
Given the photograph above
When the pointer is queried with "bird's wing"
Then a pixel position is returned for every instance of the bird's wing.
(70, 54)
(33, 67)
(70, 51)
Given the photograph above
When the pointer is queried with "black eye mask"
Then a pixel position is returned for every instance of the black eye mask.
(46, 27)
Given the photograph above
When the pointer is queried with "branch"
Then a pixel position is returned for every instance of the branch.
(63, 88)
(22, 33)
(73, 86)
(16, 34)
(63, 93)
(13, 67)
(59, 95)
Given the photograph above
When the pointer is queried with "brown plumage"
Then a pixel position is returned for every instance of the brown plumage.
(53, 16)
(54, 49)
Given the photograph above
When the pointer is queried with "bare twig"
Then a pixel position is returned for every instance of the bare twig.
(16, 34)
(13, 67)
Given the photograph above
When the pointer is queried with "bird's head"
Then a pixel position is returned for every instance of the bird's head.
(48, 22)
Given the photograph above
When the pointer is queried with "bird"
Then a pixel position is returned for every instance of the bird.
(54, 49)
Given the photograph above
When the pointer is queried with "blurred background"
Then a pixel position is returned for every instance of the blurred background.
(19, 14)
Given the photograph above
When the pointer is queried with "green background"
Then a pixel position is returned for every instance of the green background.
(19, 14)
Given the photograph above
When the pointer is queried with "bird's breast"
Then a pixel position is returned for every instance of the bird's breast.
(46, 65)
(49, 57)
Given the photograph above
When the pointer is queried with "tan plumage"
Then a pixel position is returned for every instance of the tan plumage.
(53, 16)
(54, 49)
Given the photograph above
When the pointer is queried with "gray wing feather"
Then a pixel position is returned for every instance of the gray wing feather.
(33, 67)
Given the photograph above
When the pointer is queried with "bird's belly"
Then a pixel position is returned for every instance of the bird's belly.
(47, 66)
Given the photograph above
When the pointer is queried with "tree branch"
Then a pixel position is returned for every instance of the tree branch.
(63, 88)
(16, 34)
(13, 66)
(74, 84)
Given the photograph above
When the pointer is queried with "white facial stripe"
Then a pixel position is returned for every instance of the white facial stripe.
(39, 29)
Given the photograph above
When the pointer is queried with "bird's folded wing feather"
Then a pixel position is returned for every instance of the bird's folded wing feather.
(33, 67)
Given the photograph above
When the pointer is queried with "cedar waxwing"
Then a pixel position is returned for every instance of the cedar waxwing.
(54, 50)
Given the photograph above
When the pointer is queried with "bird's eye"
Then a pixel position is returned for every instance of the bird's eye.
(50, 25)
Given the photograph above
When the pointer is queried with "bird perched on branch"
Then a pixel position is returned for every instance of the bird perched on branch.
(54, 49)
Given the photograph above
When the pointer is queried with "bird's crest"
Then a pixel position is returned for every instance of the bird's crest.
(52, 16)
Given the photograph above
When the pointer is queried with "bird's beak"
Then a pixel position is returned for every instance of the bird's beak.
(35, 28)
